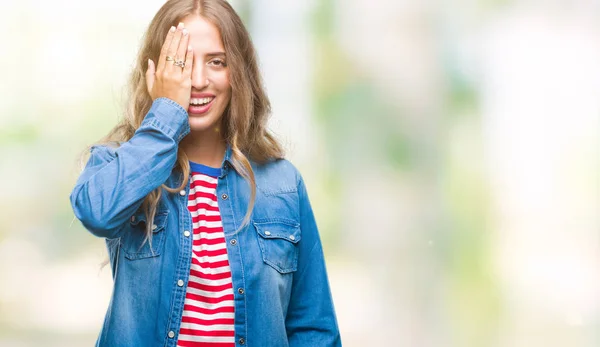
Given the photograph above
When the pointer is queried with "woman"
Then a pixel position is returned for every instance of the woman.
(210, 232)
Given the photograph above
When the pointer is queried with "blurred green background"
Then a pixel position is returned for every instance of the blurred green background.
(451, 151)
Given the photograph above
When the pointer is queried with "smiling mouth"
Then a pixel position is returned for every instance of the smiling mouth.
(201, 101)
(201, 106)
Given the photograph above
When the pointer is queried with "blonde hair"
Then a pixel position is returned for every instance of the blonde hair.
(244, 122)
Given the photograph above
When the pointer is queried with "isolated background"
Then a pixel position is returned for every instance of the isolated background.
(451, 151)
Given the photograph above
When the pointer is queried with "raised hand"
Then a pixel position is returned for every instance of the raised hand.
(172, 77)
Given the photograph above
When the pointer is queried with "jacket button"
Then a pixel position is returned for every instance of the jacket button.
(182, 192)
(132, 219)
(233, 242)
(180, 283)
(241, 291)
(267, 233)
(171, 334)
(186, 233)
(224, 196)
(154, 226)
(292, 237)
(242, 341)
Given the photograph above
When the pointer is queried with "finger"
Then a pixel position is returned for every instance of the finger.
(150, 75)
(183, 45)
(189, 61)
(165, 49)
(172, 52)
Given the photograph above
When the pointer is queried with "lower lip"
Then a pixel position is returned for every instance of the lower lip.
(198, 110)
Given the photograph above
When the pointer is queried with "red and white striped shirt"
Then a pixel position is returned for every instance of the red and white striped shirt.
(208, 314)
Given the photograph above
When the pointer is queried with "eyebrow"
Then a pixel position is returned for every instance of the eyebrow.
(215, 54)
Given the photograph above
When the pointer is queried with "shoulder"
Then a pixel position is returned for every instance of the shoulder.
(277, 176)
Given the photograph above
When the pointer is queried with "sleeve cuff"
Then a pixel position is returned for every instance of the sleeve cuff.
(168, 116)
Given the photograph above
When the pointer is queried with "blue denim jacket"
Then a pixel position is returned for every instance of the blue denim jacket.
(281, 291)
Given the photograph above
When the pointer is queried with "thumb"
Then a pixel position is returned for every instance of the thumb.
(150, 75)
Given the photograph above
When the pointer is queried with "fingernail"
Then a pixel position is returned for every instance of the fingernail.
(185, 32)
(172, 29)
(180, 25)
(190, 48)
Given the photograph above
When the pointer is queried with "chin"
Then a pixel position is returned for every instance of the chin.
(202, 124)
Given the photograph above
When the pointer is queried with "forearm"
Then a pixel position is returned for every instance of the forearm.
(311, 319)
(116, 181)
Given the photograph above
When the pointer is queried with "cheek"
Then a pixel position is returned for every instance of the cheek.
(223, 80)
(222, 83)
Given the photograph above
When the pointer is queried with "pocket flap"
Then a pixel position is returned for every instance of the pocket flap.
(289, 231)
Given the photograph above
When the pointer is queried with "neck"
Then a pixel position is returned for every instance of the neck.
(205, 149)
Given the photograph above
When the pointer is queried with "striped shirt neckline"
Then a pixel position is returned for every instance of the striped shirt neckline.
(205, 169)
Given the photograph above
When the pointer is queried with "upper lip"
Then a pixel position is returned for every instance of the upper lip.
(202, 95)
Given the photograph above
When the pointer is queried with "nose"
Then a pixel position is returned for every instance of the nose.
(199, 76)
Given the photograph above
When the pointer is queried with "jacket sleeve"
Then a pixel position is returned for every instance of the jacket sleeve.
(311, 319)
(115, 181)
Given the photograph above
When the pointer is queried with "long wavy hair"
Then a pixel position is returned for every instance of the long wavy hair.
(244, 122)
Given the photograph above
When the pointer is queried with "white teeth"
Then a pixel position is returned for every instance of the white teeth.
(201, 101)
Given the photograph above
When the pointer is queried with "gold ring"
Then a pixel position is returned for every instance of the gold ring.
(169, 58)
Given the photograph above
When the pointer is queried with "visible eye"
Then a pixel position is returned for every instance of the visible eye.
(218, 62)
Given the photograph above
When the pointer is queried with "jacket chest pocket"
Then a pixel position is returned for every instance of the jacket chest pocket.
(135, 245)
(278, 241)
